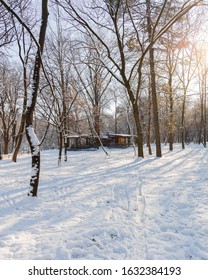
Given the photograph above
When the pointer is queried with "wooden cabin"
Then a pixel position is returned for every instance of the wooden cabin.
(83, 141)
(116, 140)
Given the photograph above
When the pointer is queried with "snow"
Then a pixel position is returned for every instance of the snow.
(30, 95)
(34, 140)
(107, 207)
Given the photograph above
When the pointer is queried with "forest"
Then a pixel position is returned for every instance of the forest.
(103, 130)
(71, 68)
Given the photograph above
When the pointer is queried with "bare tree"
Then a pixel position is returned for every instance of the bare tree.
(185, 74)
(24, 50)
(169, 83)
(57, 106)
(120, 21)
(153, 81)
(201, 62)
(30, 133)
(93, 78)
(7, 33)
(10, 91)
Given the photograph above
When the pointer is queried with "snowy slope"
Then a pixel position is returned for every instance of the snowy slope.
(107, 207)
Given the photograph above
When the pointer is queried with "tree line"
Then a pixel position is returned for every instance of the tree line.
(71, 67)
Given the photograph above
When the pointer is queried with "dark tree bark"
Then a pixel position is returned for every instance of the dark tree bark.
(183, 121)
(0, 152)
(153, 85)
(155, 105)
(170, 129)
(136, 114)
(60, 146)
(6, 144)
(30, 133)
(96, 113)
(171, 63)
(202, 128)
(148, 130)
(24, 56)
(139, 130)
(22, 122)
(8, 107)
(205, 112)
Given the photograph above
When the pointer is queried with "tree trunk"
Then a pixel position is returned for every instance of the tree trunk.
(5, 137)
(153, 85)
(30, 133)
(14, 134)
(170, 130)
(116, 120)
(149, 126)
(0, 152)
(6, 145)
(22, 122)
(60, 147)
(96, 112)
(139, 130)
(202, 119)
(155, 106)
(203, 109)
(205, 117)
(183, 121)
(136, 114)
(65, 148)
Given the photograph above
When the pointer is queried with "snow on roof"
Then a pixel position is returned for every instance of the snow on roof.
(120, 135)
(106, 135)
(80, 135)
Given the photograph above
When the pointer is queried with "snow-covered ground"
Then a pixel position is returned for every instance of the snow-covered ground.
(107, 207)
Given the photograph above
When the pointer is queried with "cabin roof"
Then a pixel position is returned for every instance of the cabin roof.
(106, 135)
(119, 135)
(80, 136)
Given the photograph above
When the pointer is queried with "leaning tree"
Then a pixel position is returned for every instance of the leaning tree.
(32, 94)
